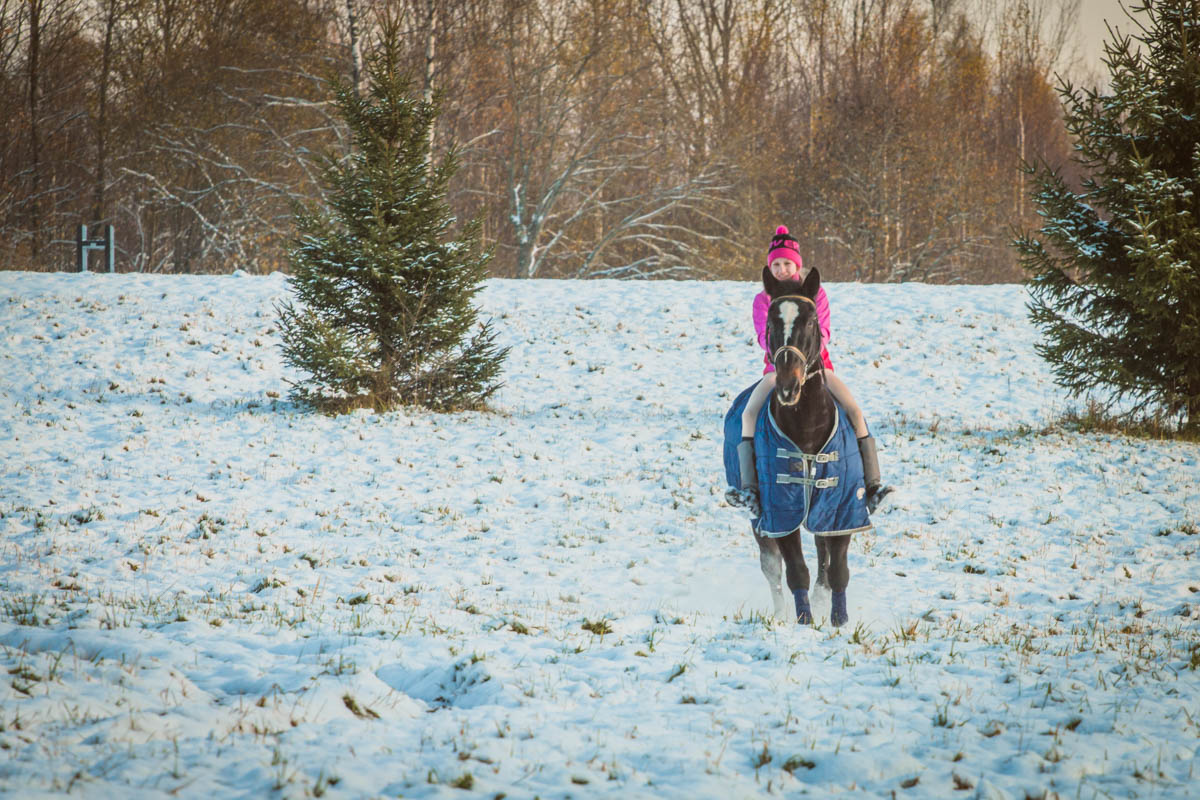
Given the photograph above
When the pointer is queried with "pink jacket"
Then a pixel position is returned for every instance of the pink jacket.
(762, 301)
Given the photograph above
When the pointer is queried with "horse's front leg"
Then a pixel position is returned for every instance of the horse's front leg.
(822, 562)
(771, 563)
(839, 576)
(792, 550)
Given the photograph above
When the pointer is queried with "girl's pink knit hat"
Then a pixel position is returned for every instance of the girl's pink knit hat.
(784, 245)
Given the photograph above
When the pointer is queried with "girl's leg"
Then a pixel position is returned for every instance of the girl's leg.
(841, 393)
(876, 491)
(755, 404)
(747, 493)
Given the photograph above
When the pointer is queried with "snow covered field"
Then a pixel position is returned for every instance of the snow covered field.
(206, 592)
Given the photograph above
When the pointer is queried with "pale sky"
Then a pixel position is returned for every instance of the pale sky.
(1093, 34)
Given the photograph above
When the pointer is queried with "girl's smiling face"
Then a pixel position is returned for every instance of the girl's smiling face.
(784, 269)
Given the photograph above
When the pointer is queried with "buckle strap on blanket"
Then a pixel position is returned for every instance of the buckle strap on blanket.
(818, 458)
(816, 483)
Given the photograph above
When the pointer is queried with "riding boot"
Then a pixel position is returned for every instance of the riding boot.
(876, 491)
(838, 615)
(747, 492)
(803, 610)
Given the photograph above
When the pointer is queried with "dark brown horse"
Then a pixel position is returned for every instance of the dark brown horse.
(806, 413)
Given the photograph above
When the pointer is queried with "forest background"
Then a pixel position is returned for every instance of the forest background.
(597, 138)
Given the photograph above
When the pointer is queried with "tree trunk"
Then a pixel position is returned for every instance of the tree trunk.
(99, 217)
(527, 265)
(355, 24)
(35, 154)
(1192, 423)
(430, 52)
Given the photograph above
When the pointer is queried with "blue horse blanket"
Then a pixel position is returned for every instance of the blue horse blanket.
(824, 493)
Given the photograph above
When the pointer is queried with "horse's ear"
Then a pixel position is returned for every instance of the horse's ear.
(811, 285)
(774, 288)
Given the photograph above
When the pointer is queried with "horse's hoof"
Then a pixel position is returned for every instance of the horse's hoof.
(823, 582)
(777, 599)
(803, 610)
(837, 615)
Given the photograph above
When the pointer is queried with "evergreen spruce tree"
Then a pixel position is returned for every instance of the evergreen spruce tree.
(1115, 269)
(382, 310)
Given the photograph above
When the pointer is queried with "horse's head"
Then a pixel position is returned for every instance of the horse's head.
(795, 341)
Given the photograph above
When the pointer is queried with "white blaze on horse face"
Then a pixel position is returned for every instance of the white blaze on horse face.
(787, 315)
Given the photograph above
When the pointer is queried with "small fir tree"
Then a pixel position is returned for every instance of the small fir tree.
(1115, 269)
(382, 311)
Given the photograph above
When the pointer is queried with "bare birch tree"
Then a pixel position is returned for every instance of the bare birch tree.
(581, 172)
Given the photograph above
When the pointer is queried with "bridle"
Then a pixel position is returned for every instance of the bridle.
(809, 371)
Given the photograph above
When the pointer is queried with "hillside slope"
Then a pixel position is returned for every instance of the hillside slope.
(207, 591)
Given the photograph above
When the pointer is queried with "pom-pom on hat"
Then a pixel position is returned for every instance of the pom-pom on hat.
(784, 245)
